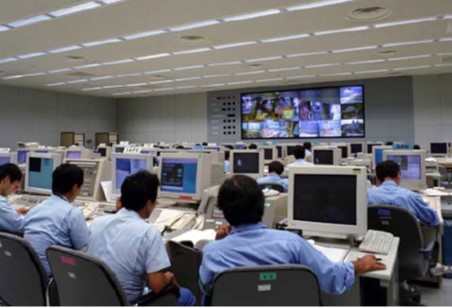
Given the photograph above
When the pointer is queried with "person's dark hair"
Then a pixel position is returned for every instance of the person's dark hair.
(299, 152)
(387, 168)
(307, 145)
(12, 171)
(64, 177)
(416, 147)
(230, 147)
(137, 189)
(389, 143)
(252, 146)
(276, 166)
(205, 144)
(241, 200)
(226, 155)
(179, 147)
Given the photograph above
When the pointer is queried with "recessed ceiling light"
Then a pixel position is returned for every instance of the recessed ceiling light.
(55, 84)
(270, 79)
(121, 93)
(336, 74)
(365, 62)
(371, 13)
(4, 28)
(123, 61)
(411, 68)
(75, 9)
(249, 73)
(322, 65)
(239, 82)
(128, 75)
(285, 38)
(31, 55)
(194, 25)
(301, 76)
(60, 70)
(142, 91)
(136, 84)
(65, 49)
(28, 21)
(224, 63)
(232, 45)
(101, 78)
(77, 81)
(12, 77)
(305, 54)
(113, 86)
(157, 71)
(34, 74)
(198, 50)
(187, 78)
(355, 49)
(252, 15)
(91, 89)
(102, 42)
(212, 85)
(335, 31)
(155, 56)
(274, 70)
(405, 22)
(410, 57)
(316, 4)
(217, 75)
(372, 71)
(408, 43)
(185, 87)
(143, 34)
(264, 59)
(188, 67)
(6, 60)
(159, 82)
(87, 66)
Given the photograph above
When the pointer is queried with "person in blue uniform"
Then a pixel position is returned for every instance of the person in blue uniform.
(55, 221)
(250, 243)
(275, 169)
(11, 220)
(132, 248)
(299, 152)
(388, 192)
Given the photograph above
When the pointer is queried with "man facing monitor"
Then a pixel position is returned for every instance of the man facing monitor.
(389, 192)
(307, 148)
(275, 169)
(250, 243)
(300, 154)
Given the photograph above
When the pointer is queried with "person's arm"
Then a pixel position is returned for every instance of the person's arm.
(10, 220)
(153, 253)
(424, 212)
(159, 280)
(78, 230)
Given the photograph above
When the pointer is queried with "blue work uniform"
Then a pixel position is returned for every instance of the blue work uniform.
(55, 221)
(227, 166)
(274, 178)
(301, 162)
(132, 249)
(10, 220)
(255, 244)
(389, 193)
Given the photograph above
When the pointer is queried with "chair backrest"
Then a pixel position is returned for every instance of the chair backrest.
(280, 285)
(83, 280)
(275, 186)
(403, 224)
(23, 280)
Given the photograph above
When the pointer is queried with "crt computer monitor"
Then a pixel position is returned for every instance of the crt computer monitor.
(377, 154)
(123, 165)
(326, 155)
(270, 153)
(439, 148)
(344, 149)
(356, 147)
(74, 154)
(412, 167)
(328, 201)
(22, 156)
(247, 162)
(370, 145)
(38, 173)
(6, 158)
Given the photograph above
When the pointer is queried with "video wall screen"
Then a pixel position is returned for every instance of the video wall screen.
(309, 113)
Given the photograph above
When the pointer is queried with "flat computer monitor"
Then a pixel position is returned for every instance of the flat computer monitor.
(184, 176)
(123, 165)
(412, 167)
(270, 153)
(6, 158)
(356, 147)
(377, 154)
(22, 156)
(322, 155)
(247, 162)
(38, 173)
(328, 201)
(289, 149)
(439, 148)
(370, 145)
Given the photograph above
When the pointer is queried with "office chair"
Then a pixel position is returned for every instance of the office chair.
(272, 285)
(445, 178)
(415, 252)
(274, 186)
(23, 280)
(83, 280)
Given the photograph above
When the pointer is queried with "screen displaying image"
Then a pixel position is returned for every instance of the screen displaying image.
(313, 113)
(410, 166)
(179, 175)
(126, 167)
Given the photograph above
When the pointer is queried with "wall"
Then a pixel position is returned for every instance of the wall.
(36, 115)
(432, 109)
(172, 118)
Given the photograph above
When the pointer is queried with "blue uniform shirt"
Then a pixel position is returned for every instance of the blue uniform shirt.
(255, 244)
(131, 248)
(10, 220)
(389, 193)
(227, 166)
(55, 221)
(274, 178)
(301, 162)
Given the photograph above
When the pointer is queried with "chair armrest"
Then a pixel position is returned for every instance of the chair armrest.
(148, 299)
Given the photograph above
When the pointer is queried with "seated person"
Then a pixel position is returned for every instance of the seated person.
(252, 146)
(416, 147)
(275, 169)
(388, 192)
(10, 180)
(132, 248)
(56, 221)
(227, 163)
(299, 153)
(307, 148)
(250, 243)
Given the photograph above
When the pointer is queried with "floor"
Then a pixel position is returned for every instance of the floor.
(437, 297)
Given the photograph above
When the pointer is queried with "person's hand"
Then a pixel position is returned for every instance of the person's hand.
(367, 263)
(223, 231)
(171, 279)
(22, 211)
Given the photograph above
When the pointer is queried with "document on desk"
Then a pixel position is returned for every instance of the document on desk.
(196, 236)
(334, 254)
(434, 192)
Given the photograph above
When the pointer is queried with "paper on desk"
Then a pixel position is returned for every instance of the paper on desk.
(107, 189)
(434, 192)
(195, 236)
(334, 254)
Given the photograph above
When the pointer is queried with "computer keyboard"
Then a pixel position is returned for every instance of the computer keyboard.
(377, 242)
(89, 209)
(27, 201)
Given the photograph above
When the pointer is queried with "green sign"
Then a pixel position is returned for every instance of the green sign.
(268, 276)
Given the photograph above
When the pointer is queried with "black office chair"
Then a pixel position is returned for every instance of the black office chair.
(415, 252)
(272, 285)
(83, 280)
(274, 186)
(23, 280)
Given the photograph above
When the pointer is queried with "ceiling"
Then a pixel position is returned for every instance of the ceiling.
(188, 46)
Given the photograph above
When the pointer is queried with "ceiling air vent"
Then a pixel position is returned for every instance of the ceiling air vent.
(193, 39)
(369, 14)
(80, 74)
(387, 53)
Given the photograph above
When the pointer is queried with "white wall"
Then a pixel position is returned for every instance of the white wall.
(432, 99)
(172, 118)
(35, 115)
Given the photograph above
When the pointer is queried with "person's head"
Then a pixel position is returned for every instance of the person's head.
(226, 155)
(241, 200)
(67, 180)
(179, 147)
(307, 145)
(205, 144)
(252, 146)
(416, 147)
(10, 179)
(388, 170)
(230, 147)
(389, 143)
(299, 152)
(276, 167)
(139, 192)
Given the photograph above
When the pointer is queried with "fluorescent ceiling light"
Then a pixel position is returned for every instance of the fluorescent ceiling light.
(187, 79)
(56, 84)
(75, 9)
(316, 4)
(12, 77)
(274, 70)
(29, 21)
(101, 78)
(405, 22)
(354, 49)
(103, 42)
(3, 28)
(77, 81)
(301, 76)
(128, 75)
(285, 38)
(31, 55)
(155, 56)
(91, 89)
(113, 86)
(183, 52)
(444, 54)
(361, 28)
(157, 72)
(217, 75)
(305, 54)
(110, 1)
(188, 67)
(64, 49)
(185, 87)
(445, 39)
(212, 85)
(142, 91)
(159, 82)
(239, 82)
(447, 17)
(194, 25)
(249, 73)
(252, 15)
(443, 65)
(118, 62)
(270, 79)
(411, 68)
(6, 60)
(163, 89)
(264, 59)
(322, 65)
(224, 63)
(335, 74)
(365, 62)
(373, 71)
(232, 45)
(410, 57)
(143, 34)
(60, 70)
(136, 84)
(87, 66)
(407, 43)
(34, 74)
(122, 93)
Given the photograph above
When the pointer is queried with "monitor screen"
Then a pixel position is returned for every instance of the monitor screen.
(40, 173)
(126, 167)
(246, 162)
(41, 151)
(119, 150)
(325, 199)
(279, 150)
(312, 113)
(323, 157)
(344, 151)
(356, 148)
(268, 154)
(179, 175)
(240, 146)
(378, 156)
(4, 160)
(22, 156)
(370, 146)
(290, 149)
(438, 148)
(102, 152)
(410, 166)
(218, 149)
(74, 154)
